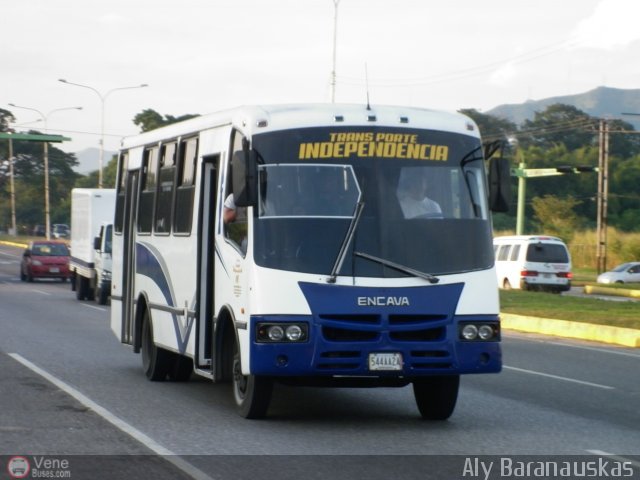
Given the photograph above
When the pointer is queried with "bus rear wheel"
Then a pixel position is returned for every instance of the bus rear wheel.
(156, 361)
(252, 393)
(436, 396)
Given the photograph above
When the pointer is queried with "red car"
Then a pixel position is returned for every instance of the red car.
(45, 259)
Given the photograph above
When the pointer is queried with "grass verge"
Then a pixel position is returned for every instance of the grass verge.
(577, 309)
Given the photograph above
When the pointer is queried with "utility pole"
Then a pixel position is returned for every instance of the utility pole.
(14, 230)
(603, 193)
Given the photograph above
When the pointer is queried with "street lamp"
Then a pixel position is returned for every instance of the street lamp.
(103, 98)
(47, 215)
(335, 38)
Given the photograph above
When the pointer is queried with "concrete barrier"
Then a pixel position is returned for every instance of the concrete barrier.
(627, 337)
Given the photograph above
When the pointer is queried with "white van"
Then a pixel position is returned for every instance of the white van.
(532, 262)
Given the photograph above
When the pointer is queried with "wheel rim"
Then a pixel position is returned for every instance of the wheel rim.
(146, 346)
(239, 380)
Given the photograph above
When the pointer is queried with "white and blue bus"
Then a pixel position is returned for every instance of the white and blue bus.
(329, 273)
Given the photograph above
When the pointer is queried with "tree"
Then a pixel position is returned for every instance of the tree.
(150, 119)
(28, 173)
(556, 216)
(491, 127)
(560, 124)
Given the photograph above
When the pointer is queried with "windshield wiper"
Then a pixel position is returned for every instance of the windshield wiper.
(342, 253)
(401, 268)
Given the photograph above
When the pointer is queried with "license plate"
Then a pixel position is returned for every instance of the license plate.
(54, 270)
(385, 361)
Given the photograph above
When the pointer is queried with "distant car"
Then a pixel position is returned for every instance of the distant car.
(626, 273)
(60, 230)
(45, 259)
(39, 231)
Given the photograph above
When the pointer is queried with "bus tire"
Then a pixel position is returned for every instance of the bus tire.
(156, 361)
(181, 369)
(252, 393)
(82, 285)
(436, 396)
(102, 295)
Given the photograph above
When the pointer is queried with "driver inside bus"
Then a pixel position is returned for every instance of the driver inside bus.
(414, 201)
(229, 210)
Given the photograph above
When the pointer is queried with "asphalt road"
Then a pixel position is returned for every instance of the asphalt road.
(67, 387)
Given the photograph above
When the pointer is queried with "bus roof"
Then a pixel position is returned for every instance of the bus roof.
(258, 119)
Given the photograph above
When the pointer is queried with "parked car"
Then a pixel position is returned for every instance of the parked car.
(60, 230)
(532, 262)
(626, 273)
(39, 231)
(45, 259)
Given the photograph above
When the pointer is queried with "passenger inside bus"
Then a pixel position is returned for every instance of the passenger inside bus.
(412, 195)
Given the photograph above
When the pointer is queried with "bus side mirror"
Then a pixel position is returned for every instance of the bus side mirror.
(499, 184)
(244, 178)
(96, 242)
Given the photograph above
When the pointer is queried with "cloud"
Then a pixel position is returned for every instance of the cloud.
(504, 75)
(613, 24)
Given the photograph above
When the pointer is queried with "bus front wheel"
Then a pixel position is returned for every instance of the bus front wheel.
(436, 396)
(252, 393)
(156, 361)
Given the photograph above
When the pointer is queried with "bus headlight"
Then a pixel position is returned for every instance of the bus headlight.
(479, 331)
(294, 333)
(470, 332)
(275, 333)
(485, 332)
(271, 332)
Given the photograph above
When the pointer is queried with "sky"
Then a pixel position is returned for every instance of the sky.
(201, 56)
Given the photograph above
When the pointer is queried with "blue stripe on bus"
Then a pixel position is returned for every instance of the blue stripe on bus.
(148, 264)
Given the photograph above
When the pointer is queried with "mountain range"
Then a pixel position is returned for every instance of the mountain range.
(89, 160)
(601, 102)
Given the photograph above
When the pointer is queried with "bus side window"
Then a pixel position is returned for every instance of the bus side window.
(185, 188)
(514, 253)
(148, 191)
(162, 223)
(123, 162)
(235, 229)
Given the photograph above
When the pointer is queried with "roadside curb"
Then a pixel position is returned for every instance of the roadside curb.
(627, 337)
(617, 292)
(13, 244)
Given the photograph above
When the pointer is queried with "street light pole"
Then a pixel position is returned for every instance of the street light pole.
(47, 214)
(335, 38)
(103, 98)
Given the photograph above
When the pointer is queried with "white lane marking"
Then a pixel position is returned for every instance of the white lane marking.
(100, 309)
(566, 379)
(40, 291)
(147, 441)
(619, 458)
(613, 349)
(602, 350)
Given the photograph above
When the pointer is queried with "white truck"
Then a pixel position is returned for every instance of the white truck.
(92, 211)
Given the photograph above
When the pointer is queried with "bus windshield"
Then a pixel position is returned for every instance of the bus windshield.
(424, 195)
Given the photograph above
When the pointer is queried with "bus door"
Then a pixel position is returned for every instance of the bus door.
(129, 254)
(206, 257)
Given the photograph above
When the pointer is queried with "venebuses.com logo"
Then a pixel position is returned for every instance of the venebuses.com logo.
(18, 467)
